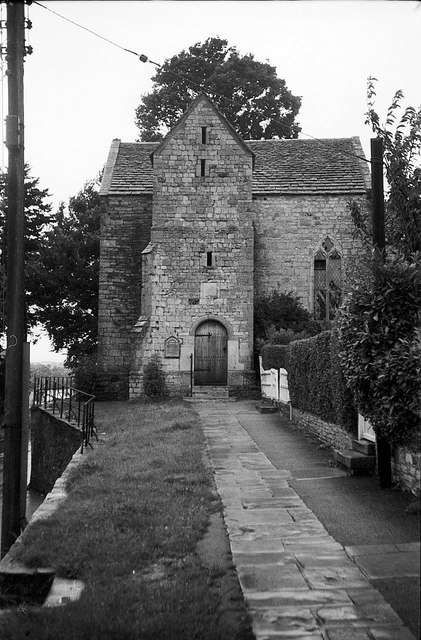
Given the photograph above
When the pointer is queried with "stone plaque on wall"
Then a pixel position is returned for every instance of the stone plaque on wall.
(172, 348)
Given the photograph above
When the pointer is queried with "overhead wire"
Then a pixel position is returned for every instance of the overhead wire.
(143, 58)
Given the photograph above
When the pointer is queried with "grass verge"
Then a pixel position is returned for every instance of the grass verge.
(136, 509)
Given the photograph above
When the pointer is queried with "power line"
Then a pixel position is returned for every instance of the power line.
(76, 24)
(143, 58)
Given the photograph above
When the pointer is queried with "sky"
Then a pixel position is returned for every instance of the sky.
(81, 91)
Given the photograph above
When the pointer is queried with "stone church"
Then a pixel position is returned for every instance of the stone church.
(197, 225)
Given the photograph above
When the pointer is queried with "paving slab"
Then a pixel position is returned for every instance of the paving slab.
(388, 565)
(297, 580)
(273, 578)
(345, 633)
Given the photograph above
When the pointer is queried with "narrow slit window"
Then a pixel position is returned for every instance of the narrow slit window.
(204, 135)
(209, 259)
(202, 167)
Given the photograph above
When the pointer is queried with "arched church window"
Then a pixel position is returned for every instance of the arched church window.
(327, 281)
(172, 348)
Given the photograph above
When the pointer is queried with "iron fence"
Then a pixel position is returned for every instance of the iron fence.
(58, 396)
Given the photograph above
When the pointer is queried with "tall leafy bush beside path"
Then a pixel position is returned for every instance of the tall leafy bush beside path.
(380, 337)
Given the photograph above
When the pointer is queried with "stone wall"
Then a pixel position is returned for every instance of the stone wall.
(406, 461)
(329, 433)
(289, 231)
(53, 443)
(125, 232)
(406, 468)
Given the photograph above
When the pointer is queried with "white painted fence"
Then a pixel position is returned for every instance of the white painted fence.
(365, 429)
(274, 383)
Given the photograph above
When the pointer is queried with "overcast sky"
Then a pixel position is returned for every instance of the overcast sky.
(81, 92)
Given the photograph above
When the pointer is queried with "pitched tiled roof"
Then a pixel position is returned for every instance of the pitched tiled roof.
(308, 166)
(281, 167)
(128, 169)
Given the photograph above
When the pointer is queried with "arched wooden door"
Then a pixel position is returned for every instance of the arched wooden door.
(210, 354)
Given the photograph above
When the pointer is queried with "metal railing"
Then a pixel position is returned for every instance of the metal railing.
(58, 396)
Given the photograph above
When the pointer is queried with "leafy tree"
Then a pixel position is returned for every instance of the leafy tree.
(402, 161)
(250, 95)
(279, 317)
(380, 335)
(38, 219)
(66, 272)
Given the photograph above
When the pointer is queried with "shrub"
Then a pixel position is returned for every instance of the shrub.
(277, 311)
(380, 348)
(154, 378)
(84, 371)
(275, 356)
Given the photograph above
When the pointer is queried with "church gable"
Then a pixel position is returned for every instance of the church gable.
(202, 163)
(204, 120)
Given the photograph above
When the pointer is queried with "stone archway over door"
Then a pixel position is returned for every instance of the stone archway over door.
(210, 354)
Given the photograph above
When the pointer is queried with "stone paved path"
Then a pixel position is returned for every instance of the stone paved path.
(297, 581)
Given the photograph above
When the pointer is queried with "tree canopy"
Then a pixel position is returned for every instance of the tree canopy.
(248, 92)
(66, 272)
(38, 219)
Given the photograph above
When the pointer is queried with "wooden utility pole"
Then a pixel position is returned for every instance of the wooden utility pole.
(384, 465)
(15, 317)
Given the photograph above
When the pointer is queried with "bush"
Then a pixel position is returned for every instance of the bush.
(84, 371)
(380, 345)
(277, 311)
(154, 379)
(275, 356)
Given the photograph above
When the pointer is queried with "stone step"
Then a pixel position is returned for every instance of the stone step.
(203, 393)
(354, 461)
(266, 408)
(364, 446)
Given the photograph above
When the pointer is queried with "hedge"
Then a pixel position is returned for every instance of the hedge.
(315, 381)
(275, 356)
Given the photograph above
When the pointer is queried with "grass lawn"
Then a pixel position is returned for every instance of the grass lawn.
(137, 507)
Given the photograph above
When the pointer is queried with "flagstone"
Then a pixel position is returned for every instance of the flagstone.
(301, 515)
(299, 598)
(259, 516)
(390, 633)
(323, 559)
(347, 633)
(263, 545)
(277, 621)
(256, 531)
(270, 578)
(272, 557)
(255, 502)
(343, 577)
(314, 544)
